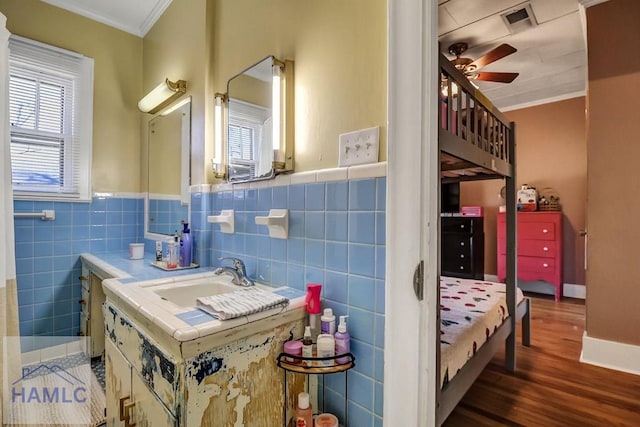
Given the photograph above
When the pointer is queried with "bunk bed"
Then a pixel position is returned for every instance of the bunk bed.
(476, 141)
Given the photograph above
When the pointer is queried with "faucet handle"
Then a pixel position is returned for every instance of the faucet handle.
(237, 263)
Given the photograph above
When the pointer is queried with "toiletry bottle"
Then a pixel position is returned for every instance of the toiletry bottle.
(158, 250)
(307, 345)
(304, 414)
(312, 300)
(328, 322)
(185, 246)
(172, 262)
(343, 341)
(325, 347)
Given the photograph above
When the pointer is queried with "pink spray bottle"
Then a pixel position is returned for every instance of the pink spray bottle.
(314, 308)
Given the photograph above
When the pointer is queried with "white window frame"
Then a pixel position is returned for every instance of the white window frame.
(33, 59)
(255, 117)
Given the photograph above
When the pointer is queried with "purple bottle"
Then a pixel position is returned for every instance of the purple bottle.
(342, 339)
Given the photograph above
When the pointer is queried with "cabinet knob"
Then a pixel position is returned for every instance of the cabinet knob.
(461, 243)
(462, 267)
(82, 278)
(461, 255)
(545, 265)
(546, 249)
(545, 231)
(82, 302)
(461, 225)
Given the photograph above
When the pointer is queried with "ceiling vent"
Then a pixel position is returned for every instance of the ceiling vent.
(520, 19)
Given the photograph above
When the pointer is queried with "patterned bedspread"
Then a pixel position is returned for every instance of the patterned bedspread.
(470, 312)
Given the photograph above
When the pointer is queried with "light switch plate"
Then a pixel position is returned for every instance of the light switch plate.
(359, 147)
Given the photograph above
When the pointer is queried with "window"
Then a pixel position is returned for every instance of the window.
(249, 132)
(51, 119)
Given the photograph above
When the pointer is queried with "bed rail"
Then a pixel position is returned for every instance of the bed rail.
(476, 140)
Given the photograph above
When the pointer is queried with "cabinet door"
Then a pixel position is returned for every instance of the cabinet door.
(118, 383)
(96, 321)
(148, 411)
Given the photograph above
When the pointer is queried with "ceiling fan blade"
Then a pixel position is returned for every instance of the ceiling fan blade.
(493, 55)
(497, 77)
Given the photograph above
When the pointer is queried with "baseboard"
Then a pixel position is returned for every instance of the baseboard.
(490, 277)
(610, 354)
(571, 290)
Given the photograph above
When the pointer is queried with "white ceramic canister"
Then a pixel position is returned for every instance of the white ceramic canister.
(136, 250)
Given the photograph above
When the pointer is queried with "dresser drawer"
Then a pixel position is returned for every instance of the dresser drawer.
(537, 248)
(536, 230)
(527, 264)
(461, 224)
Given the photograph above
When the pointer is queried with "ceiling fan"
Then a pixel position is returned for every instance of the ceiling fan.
(469, 66)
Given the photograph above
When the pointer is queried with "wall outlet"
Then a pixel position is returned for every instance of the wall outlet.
(359, 147)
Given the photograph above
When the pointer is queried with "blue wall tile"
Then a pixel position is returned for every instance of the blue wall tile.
(314, 225)
(361, 259)
(336, 256)
(337, 226)
(362, 195)
(314, 200)
(362, 292)
(362, 227)
(337, 195)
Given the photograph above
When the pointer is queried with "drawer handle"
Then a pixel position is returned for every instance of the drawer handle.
(125, 411)
(461, 243)
(545, 265)
(82, 302)
(546, 249)
(461, 225)
(461, 255)
(545, 231)
(462, 267)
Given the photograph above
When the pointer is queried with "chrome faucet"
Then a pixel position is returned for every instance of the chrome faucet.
(238, 272)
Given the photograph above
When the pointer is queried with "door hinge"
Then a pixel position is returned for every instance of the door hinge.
(418, 281)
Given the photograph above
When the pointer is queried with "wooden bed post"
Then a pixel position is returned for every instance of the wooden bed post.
(512, 242)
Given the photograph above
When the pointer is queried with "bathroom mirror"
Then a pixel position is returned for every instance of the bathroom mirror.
(169, 147)
(256, 132)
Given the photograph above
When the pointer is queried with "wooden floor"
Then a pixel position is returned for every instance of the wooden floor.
(551, 387)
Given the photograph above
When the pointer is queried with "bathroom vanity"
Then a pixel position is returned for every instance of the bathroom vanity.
(168, 364)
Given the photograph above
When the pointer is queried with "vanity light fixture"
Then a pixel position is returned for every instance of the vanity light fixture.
(276, 105)
(162, 95)
(175, 106)
(217, 161)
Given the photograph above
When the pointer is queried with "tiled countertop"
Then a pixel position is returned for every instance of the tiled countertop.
(119, 266)
(129, 283)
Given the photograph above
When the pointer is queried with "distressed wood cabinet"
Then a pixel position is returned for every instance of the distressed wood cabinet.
(91, 324)
(228, 378)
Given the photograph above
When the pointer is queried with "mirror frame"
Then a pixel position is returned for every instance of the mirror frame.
(285, 161)
(185, 167)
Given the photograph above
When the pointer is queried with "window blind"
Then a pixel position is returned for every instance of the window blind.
(50, 113)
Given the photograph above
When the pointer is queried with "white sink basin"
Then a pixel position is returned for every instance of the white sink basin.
(185, 294)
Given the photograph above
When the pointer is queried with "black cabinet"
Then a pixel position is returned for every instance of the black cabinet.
(462, 247)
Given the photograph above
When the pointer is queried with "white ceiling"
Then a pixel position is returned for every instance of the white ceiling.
(551, 57)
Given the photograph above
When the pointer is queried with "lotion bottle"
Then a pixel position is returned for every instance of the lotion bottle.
(185, 246)
(307, 345)
(328, 322)
(304, 414)
(343, 341)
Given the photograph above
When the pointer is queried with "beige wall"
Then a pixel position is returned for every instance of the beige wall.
(339, 49)
(613, 292)
(176, 48)
(117, 84)
(551, 152)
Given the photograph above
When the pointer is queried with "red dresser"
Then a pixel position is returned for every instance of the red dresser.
(539, 248)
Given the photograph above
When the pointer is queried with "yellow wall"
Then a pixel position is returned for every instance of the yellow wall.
(117, 84)
(176, 48)
(339, 49)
